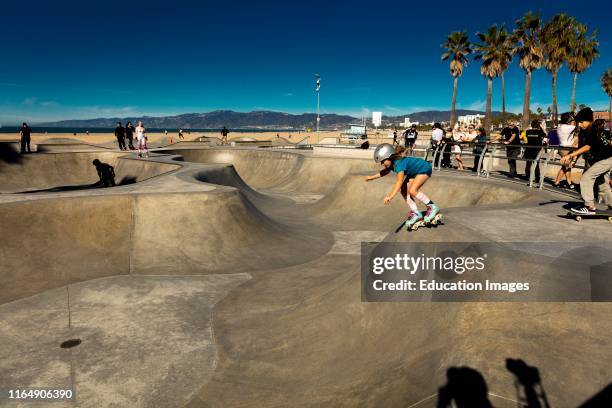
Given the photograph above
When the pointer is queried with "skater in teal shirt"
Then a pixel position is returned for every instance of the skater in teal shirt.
(412, 173)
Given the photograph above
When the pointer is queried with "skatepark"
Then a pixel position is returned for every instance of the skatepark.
(230, 276)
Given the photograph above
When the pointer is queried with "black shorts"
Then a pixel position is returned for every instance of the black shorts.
(409, 142)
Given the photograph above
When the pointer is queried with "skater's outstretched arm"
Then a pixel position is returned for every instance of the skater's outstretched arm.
(399, 180)
(378, 175)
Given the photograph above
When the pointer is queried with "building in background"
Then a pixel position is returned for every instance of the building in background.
(466, 120)
(407, 123)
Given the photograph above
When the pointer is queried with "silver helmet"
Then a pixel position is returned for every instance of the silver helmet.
(383, 152)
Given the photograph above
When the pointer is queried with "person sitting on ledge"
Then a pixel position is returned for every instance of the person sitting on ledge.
(106, 172)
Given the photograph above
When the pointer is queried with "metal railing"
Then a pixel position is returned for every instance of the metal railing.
(485, 163)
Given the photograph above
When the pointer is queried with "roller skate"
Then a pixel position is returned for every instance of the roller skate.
(414, 221)
(432, 215)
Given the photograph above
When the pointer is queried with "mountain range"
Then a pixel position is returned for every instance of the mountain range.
(252, 120)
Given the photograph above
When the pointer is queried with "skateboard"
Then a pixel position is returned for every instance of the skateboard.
(437, 220)
(598, 214)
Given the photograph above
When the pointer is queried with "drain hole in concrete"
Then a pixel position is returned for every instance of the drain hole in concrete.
(70, 343)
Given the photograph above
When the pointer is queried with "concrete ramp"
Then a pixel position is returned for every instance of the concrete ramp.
(57, 171)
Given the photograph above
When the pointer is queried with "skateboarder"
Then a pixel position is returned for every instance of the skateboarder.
(224, 133)
(597, 141)
(412, 174)
(106, 172)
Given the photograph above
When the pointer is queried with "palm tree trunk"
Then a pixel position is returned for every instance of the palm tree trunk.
(503, 99)
(573, 106)
(453, 117)
(554, 98)
(487, 123)
(526, 113)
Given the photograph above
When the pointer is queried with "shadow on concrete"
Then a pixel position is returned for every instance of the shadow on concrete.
(602, 399)
(465, 388)
(528, 384)
(568, 204)
(9, 153)
(124, 181)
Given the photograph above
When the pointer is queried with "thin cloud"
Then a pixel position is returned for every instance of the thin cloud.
(48, 104)
(103, 90)
(108, 111)
(30, 101)
(11, 85)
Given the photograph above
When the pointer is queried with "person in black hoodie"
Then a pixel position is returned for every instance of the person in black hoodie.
(25, 132)
(535, 140)
(120, 135)
(595, 140)
(447, 145)
(129, 135)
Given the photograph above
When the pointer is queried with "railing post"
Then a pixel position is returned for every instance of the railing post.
(490, 166)
(440, 154)
(535, 163)
(481, 160)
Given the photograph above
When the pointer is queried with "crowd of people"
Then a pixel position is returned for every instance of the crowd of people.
(576, 135)
(127, 135)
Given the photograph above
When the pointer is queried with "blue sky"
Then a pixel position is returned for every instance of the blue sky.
(66, 59)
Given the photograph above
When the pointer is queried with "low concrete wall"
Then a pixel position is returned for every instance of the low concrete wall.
(355, 152)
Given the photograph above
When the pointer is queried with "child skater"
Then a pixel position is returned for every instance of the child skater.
(412, 174)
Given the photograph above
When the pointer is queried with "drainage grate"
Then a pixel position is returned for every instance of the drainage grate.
(70, 343)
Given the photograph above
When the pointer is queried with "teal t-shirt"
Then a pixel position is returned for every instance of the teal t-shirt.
(412, 166)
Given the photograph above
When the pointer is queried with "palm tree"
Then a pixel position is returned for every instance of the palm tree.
(583, 51)
(556, 37)
(606, 84)
(494, 53)
(505, 50)
(457, 48)
(527, 35)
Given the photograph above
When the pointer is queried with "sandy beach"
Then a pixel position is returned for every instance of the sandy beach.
(158, 138)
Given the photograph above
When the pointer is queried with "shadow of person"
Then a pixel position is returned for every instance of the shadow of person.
(106, 172)
(9, 153)
(529, 390)
(465, 387)
(602, 399)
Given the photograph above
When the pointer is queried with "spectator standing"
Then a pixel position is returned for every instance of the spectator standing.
(141, 137)
(535, 140)
(565, 136)
(479, 144)
(120, 135)
(512, 139)
(25, 134)
(224, 133)
(129, 134)
(410, 137)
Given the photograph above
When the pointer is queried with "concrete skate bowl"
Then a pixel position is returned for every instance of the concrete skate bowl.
(281, 171)
(166, 221)
(296, 333)
(335, 188)
(60, 144)
(72, 171)
(301, 336)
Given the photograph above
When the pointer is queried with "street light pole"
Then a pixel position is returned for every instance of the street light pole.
(318, 77)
